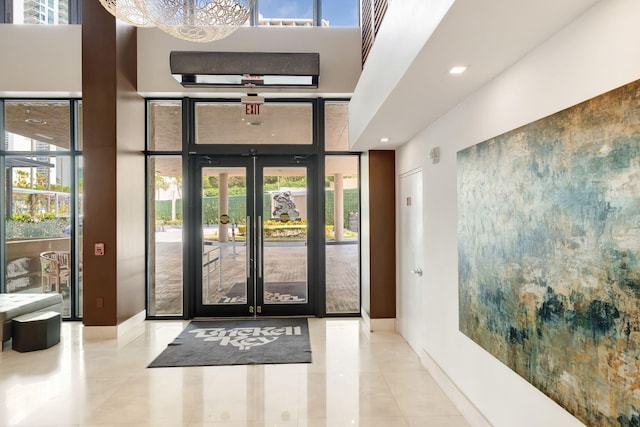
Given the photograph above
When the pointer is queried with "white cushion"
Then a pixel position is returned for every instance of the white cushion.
(12, 305)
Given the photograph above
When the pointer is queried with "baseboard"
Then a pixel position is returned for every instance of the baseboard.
(468, 410)
(383, 325)
(113, 332)
(373, 325)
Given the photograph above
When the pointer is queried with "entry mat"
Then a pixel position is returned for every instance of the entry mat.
(238, 342)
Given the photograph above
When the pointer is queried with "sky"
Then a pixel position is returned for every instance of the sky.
(339, 13)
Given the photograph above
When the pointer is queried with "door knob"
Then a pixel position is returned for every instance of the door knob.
(417, 272)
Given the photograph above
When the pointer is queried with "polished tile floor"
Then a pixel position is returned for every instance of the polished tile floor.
(354, 380)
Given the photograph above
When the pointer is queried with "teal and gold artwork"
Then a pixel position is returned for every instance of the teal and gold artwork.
(549, 254)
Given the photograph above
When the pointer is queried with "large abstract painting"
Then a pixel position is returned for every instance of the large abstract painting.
(549, 254)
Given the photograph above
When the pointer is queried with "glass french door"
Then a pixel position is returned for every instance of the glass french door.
(253, 236)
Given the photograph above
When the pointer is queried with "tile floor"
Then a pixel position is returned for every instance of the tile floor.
(354, 380)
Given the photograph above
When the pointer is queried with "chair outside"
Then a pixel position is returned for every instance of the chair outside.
(55, 270)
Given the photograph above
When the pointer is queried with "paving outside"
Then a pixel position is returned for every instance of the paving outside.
(284, 272)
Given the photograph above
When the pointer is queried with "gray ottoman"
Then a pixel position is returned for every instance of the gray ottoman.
(36, 331)
(14, 305)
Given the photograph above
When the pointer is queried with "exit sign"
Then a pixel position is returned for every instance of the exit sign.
(252, 109)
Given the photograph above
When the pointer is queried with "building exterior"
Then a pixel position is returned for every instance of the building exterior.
(49, 12)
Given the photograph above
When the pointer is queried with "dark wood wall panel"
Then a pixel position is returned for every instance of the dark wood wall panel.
(131, 170)
(382, 223)
(99, 161)
(113, 174)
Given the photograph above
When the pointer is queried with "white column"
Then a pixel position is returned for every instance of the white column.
(338, 207)
(223, 205)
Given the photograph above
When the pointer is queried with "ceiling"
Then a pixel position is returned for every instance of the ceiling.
(45, 121)
(487, 36)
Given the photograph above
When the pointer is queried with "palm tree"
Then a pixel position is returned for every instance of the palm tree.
(161, 184)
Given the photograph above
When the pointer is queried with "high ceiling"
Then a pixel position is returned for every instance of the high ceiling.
(403, 88)
(405, 85)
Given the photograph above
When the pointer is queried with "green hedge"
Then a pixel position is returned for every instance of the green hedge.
(163, 210)
(42, 228)
(350, 201)
(237, 207)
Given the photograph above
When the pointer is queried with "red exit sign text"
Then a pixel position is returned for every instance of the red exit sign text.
(252, 109)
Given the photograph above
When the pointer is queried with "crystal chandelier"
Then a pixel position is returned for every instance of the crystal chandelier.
(194, 20)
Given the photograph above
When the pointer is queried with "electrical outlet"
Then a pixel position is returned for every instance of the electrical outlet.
(99, 302)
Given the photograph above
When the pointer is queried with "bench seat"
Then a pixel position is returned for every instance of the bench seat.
(14, 305)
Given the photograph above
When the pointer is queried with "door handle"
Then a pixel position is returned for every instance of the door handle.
(417, 271)
(259, 246)
(247, 247)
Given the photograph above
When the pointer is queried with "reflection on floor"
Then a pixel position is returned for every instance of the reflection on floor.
(354, 380)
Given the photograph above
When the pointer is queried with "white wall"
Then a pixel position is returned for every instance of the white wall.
(339, 50)
(45, 59)
(596, 53)
(409, 62)
(403, 33)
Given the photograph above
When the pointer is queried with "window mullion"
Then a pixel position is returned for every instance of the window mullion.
(6, 9)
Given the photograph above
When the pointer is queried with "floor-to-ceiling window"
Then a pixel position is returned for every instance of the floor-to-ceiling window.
(252, 195)
(165, 210)
(342, 213)
(41, 204)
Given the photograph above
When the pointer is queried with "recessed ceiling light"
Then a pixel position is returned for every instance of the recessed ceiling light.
(384, 139)
(458, 69)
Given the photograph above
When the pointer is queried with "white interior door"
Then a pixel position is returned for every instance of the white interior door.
(410, 313)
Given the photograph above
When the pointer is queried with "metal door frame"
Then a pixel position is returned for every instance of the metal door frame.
(255, 286)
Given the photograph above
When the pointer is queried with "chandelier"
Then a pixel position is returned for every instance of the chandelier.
(194, 20)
